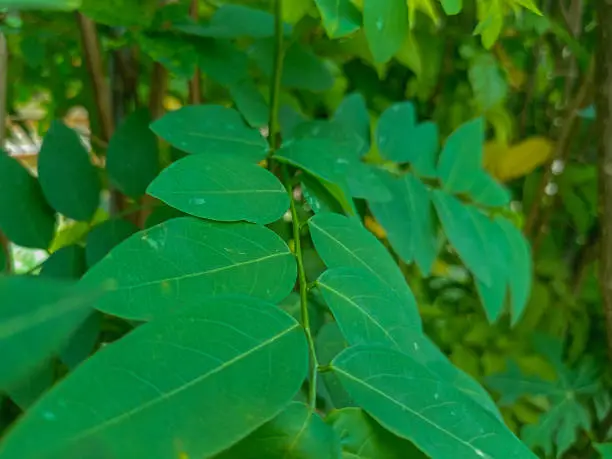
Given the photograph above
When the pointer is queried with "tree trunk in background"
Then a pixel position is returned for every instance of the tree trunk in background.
(4, 243)
(604, 121)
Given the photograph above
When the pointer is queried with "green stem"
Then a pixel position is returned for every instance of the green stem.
(273, 125)
(312, 389)
(273, 140)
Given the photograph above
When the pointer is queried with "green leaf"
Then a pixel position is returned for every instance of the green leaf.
(489, 85)
(368, 313)
(318, 197)
(341, 242)
(296, 433)
(120, 13)
(302, 68)
(452, 7)
(132, 159)
(40, 4)
(223, 189)
(68, 179)
(366, 310)
(31, 388)
(461, 158)
(211, 129)
(162, 214)
(605, 449)
(181, 261)
(66, 263)
(222, 62)
(105, 236)
(408, 221)
(176, 55)
(521, 278)
(386, 25)
(173, 379)
(250, 102)
(485, 190)
(37, 317)
(401, 140)
(235, 21)
(340, 17)
(329, 342)
(467, 230)
(82, 342)
(352, 113)
(363, 438)
(25, 217)
(413, 403)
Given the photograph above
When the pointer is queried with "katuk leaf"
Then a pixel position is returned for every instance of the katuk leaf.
(223, 189)
(386, 24)
(508, 163)
(340, 17)
(25, 217)
(180, 371)
(413, 403)
(211, 129)
(68, 179)
(179, 262)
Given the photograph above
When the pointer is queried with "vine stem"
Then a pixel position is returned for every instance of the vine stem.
(273, 140)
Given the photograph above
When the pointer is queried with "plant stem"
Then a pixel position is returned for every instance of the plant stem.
(273, 140)
(277, 73)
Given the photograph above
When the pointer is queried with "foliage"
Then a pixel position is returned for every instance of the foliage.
(326, 259)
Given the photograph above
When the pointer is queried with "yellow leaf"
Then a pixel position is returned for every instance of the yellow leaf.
(517, 161)
(425, 6)
(440, 269)
(294, 10)
(375, 227)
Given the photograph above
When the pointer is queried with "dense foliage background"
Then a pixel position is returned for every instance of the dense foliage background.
(483, 107)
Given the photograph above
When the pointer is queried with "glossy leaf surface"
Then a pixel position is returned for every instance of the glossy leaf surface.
(183, 260)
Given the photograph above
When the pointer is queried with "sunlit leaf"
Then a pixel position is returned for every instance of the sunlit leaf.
(179, 262)
(180, 371)
(223, 189)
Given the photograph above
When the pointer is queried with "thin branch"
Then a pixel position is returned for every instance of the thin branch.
(93, 59)
(4, 242)
(561, 153)
(159, 84)
(195, 88)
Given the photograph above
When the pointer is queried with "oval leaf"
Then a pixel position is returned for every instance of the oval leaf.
(25, 217)
(344, 242)
(68, 179)
(368, 313)
(296, 433)
(386, 25)
(65, 263)
(179, 262)
(340, 17)
(103, 237)
(132, 159)
(224, 189)
(413, 403)
(36, 319)
(170, 381)
(211, 129)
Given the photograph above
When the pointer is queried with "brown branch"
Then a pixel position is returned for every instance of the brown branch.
(93, 59)
(561, 152)
(195, 88)
(603, 84)
(159, 84)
